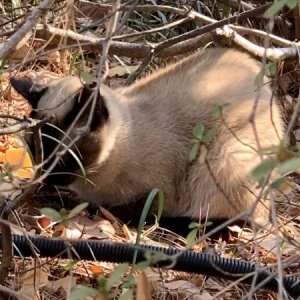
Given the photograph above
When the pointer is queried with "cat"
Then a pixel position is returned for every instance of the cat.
(140, 137)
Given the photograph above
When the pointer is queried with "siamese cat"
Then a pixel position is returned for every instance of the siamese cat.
(140, 137)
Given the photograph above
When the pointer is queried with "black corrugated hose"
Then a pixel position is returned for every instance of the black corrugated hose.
(206, 264)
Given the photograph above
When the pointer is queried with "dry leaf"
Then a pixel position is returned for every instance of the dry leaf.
(127, 233)
(203, 296)
(21, 53)
(32, 281)
(83, 227)
(44, 221)
(214, 285)
(182, 286)
(20, 159)
(111, 218)
(96, 270)
(67, 283)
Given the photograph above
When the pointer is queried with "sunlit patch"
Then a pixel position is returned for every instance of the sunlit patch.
(18, 161)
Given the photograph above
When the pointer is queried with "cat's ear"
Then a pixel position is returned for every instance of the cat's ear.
(29, 90)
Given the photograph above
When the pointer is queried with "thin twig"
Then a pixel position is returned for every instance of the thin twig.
(215, 25)
(150, 31)
(22, 34)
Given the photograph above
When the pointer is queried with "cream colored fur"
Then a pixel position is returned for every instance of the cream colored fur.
(147, 140)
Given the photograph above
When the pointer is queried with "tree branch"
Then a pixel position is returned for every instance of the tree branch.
(22, 35)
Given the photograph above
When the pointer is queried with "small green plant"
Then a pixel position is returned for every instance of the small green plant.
(269, 69)
(63, 215)
(82, 292)
(73, 61)
(105, 284)
(16, 4)
(226, 11)
(280, 4)
(195, 227)
(2, 65)
(86, 77)
(6, 170)
(280, 160)
(201, 140)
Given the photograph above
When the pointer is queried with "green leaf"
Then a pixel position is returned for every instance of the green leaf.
(154, 258)
(52, 213)
(225, 11)
(210, 134)
(277, 183)
(194, 152)
(258, 79)
(291, 4)
(102, 281)
(261, 170)
(73, 61)
(270, 69)
(64, 213)
(203, 153)
(116, 275)
(198, 131)
(143, 265)
(146, 209)
(127, 294)
(77, 209)
(7, 167)
(161, 202)
(289, 165)
(17, 7)
(144, 214)
(193, 225)
(197, 225)
(69, 266)
(275, 8)
(191, 237)
(217, 111)
(80, 293)
(86, 77)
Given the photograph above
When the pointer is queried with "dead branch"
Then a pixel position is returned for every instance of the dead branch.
(276, 54)
(273, 38)
(174, 46)
(214, 25)
(140, 50)
(7, 246)
(25, 124)
(22, 35)
(94, 44)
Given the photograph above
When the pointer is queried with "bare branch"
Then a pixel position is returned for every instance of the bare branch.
(271, 53)
(214, 25)
(17, 127)
(273, 38)
(22, 35)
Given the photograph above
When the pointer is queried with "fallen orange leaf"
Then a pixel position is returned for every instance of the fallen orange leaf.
(18, 157)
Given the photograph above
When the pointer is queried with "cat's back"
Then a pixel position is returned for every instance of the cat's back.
(214, 71)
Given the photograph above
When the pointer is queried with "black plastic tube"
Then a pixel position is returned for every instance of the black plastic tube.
(187, 260)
